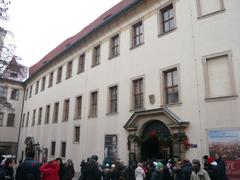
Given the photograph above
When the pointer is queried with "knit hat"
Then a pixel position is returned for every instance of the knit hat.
(210, 160)
(159, 165)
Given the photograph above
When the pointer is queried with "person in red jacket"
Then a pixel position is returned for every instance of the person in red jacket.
(50, 170)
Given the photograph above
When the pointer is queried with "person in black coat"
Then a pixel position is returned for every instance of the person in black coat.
(6, 171)
(221, 167)
(69, 170)
(186, 169)
(92, 171)
(29, 169)
(61, 168)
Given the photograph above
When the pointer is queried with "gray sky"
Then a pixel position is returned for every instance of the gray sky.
(40, 25)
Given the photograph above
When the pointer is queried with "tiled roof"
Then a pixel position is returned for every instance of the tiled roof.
(111, 13)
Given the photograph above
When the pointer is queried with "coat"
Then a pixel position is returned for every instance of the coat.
(50, 171)
(200, 175)
(6, 173)
(28, 170)
(69, 173)
(139, 173)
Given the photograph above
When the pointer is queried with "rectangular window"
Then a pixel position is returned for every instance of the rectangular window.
(138, 93)
(66, 110)
(55, 112)
(96, 56)
(39, 116)
(23, 120)
(219, 76)
(47, 114)
(53, 148)
(137, 31)
(43, 83)
(114, 46)
(50, 82)
(167, 18)
(37, 86)
(69, 70)
(34, 116)
(30, 92)
(206, 7)
(26, 95)
(1, 119)
(3, 91)
(10, 120)
(15, 94)
(93, 104)
(81, 63)
(113, 99)
(171, 86)
(27, 119)
(78, 107)
(63, 149)
(59, 75)
(76, 134)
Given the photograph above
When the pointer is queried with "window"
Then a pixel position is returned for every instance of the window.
(23, 120)
(53, 148)
(76, 134)
(39, 116)
(27, 119)
(81, 63)
(138, 93)
(78, 107)
(167, 19)
(66, 110)
(69, 70)
(3, 91)
(37, 86)
(206, 7)
(30, 92)
(13, 75)
(114, 46)
(50, 82)
(171, 86)
(43, 83)
(55, 112)
(1, 119)
(96, 56)
(113, 99)
(137, 31)
(59, 75)
(26, 95)
(219, 76)
(34, 116)
(15, 94)
(10, 120)
(47, 114)
(63, 149)
(93, 104)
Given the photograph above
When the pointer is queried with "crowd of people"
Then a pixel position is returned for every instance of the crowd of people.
(30, 169)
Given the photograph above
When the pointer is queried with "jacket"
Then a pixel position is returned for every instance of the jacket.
(50, 171)
(139, 173)
(200, 175)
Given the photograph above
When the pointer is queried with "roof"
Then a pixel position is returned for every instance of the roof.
(108, 16)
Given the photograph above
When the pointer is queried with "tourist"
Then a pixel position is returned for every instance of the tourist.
(6, 171)
(50, 170)
(198, 173)
(69, 170)
(221, 166)
(158, 172)
(92, 170)
(139, 172)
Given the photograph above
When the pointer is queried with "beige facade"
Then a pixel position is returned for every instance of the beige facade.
(174, 63)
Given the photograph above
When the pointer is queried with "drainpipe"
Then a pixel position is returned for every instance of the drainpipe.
(19, 130)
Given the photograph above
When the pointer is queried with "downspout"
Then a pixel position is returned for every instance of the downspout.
(19, 130)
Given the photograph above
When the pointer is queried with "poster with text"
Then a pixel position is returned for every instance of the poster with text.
(226, 142)
(110, 148)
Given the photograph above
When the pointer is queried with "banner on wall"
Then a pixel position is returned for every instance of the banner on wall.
(226, 142)
(110, 148)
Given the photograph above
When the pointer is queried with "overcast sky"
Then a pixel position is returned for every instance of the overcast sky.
(40, 25)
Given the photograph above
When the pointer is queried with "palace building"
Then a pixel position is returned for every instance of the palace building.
(147, 79)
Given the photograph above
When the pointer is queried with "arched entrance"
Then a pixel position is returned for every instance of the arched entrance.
(154, 145)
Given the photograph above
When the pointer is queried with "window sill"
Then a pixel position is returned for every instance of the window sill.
(76, 142)
(167, 32)
(136, 110)
(222, 98)
(58, 82)
(111, 57)
(77, 118)
(64, 120)
(112, 113)
(68, 77)
(92, 116)
(94, 65)
(211, 14)
(134, 47)
(171, 104)
(79, 72)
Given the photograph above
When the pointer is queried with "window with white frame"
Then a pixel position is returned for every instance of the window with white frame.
(34, 117)
(63, 149)
(1, 119)
(138, 94)
(59, 75)
(114, 46)
(219, 76)
(39, 116)
(10, 120)
(47, 114)
(23, 120)
(96, 56)
(78, 107)
(55, 112)
(26, 94)
(43, 83)
(137, 34)
(69, 70)
(50, 81)
(113, 99)
(15, 94)
(3, 91)
(93, 104)
(81, 63)
(77, 134)
(53, 148)
(27, 119)
(206, 7)
(30, 91)
(167, 19)
(37, 86)
(66, 110)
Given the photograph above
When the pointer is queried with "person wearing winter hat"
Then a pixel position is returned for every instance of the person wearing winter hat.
(212, 169)
(158, 173)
